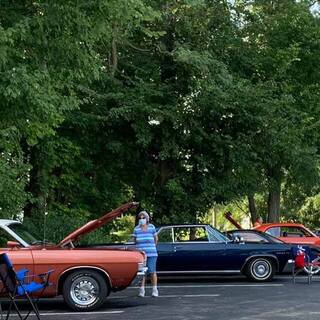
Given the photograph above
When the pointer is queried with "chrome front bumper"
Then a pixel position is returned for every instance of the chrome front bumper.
(140, 274)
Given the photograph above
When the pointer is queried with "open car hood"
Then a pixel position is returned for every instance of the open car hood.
(97, 223)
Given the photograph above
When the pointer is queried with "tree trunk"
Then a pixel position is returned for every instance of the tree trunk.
(274, 206)
(37, 203)
(252, 208)
(114, 57)
(274, 177)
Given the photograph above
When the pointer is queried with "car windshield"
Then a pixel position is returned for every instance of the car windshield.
(215, 235)
(23, 233)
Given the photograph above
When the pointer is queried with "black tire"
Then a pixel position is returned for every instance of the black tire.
(85, 290)
(260, 269)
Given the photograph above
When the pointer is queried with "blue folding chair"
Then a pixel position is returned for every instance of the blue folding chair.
(18, 285)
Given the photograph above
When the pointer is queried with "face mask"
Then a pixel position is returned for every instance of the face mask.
(142, 222)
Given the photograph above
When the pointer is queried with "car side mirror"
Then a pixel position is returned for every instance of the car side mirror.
(13, 244)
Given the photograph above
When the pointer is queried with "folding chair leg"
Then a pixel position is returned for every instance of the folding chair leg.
(13, 303)
(294, 273)
(309, 278)
(34, 308)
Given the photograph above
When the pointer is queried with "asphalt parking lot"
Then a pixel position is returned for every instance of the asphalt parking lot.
(215, 298)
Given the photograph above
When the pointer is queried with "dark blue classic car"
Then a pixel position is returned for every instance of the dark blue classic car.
(201, 249)
(250, 235)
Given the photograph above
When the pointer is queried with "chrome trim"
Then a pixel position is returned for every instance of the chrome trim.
(200, 271)
(139, 276)
(164, 228)
(184, 225)
(142, 272)
(142, 265)
(207, 228)
(85, 267)
(14, 235)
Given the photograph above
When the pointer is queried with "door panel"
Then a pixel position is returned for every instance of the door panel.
(198, 256)
(165, 260)
(164, 248)
(298, 240)
(21, 258)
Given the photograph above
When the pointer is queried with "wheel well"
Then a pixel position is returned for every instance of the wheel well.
(68, 272)
(272, 259)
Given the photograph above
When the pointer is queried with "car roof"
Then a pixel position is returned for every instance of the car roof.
(265, 226)
(281, 224)
(182, 225)
(245, 230)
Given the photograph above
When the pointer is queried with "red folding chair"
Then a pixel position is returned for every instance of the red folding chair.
(304, 260)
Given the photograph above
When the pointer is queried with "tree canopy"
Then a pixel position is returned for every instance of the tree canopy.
(178, 104)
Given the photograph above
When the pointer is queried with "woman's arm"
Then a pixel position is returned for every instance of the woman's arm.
(155, 238)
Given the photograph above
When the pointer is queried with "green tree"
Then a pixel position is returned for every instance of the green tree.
(282, 52)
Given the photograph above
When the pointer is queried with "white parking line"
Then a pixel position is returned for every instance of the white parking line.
(171, 296)
(69, 313)
(299, 276)
(188, 295)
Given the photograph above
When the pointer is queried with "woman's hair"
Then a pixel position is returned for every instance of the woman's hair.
(145, 214)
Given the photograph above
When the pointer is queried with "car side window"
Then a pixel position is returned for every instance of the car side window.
(4, 238)
(274, 231)
(181, 234)
(293, 232)
(198, 234)
(188, 234)
(165, 235)
(250, 237)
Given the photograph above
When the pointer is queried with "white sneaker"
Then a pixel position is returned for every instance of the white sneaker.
(141, 292)
(155, 292)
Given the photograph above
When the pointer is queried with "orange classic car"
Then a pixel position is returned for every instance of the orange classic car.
(84, 276)
(290, 232)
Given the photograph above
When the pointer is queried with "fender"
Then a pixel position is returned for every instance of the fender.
(263, 255)
(83, 267)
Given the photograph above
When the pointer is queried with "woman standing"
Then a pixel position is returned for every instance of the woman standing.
(146, 239)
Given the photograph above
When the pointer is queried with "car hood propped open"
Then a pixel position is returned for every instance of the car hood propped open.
(97, 223)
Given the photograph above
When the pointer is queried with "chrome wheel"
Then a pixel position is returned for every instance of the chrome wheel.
(84, 290)
(260, 269)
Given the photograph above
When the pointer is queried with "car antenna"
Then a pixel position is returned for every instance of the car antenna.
(44, 228)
